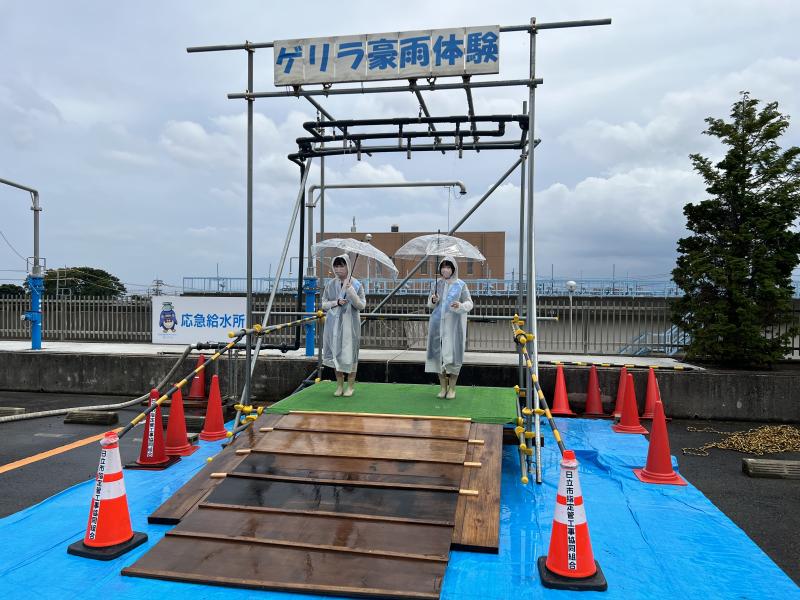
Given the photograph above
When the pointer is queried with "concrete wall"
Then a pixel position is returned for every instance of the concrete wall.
(755, 396)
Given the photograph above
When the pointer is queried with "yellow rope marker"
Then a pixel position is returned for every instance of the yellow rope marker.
(519, 430)
(243, 452)
(250, 418)
(605, 365)
(580, 364)
(527, 411)
(238, 406)
(260, 410)
(209, 459)
(534, 378)
(528, 451)
(317, 380)
(468, 492)
(199, 369)
(524, 480)
(556, 362)
(516, 389)
(523, 447)
(181, 383)
(257, 328)
(230, 345)
(547, 413)
(529, 337)
(138, 418)
(231, 334)
(629, 366)
(247, 409)
(320, 314)
(556, 435)
(218, 475)
(520, 420)
(539, 411)
(541, 395)
(215, 356)
(653, 367)
(529, 435)
(228, 434)
(678, 368)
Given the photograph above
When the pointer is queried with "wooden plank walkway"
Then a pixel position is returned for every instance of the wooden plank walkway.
(477, 525)
(334, 504)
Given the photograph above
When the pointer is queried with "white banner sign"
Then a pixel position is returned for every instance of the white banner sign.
(191, 319)
(375, 56)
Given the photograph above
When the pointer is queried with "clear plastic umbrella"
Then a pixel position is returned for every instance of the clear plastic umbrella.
(359, 248)
(435, 244)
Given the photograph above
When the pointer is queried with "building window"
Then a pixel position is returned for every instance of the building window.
(424, 269)
(470, 267)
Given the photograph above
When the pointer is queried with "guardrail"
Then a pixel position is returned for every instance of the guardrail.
(593, 325)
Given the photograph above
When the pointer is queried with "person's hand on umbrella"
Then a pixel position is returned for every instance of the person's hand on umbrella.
(435, 298)
(341, 302)
(455, 305)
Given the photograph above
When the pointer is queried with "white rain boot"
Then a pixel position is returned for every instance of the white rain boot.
(351, 383)
(339, 384)
(442, 382)
(451, 386)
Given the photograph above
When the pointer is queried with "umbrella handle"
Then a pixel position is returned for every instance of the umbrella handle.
(350, 274)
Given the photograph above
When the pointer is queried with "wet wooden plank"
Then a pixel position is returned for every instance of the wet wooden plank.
(325, 530)
(260, 566)
(352, 469)
(387, 485)
(432, 505)
(199, 486)
(426, 428)
(477, 525)
(362, 446)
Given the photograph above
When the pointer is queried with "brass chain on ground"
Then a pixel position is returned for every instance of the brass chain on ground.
(767, 439)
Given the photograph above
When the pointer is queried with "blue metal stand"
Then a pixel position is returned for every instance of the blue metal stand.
(34, 315)
(310, 290)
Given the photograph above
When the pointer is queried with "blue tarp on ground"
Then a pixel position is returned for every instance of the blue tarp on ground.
(652, 541)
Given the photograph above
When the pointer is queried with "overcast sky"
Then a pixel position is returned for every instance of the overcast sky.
(140, 158)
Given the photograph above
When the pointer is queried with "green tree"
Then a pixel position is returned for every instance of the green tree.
(82, 281)
(735, 268)
(9, 289)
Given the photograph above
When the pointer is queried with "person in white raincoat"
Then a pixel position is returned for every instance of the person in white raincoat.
(343, 300)
(447, 327)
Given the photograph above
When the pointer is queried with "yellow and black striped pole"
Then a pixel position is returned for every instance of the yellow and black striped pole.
(522, 339)
(236, 337)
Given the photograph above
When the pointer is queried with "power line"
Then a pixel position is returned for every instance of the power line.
(14, 250)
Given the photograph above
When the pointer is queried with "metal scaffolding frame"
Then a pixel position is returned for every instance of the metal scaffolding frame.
(320, 145)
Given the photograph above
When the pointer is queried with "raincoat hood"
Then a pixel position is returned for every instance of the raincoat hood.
(346, 259)
(452, 261)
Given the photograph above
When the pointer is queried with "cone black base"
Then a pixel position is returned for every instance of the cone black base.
(595, 583)
(109, 552)
(171, 460)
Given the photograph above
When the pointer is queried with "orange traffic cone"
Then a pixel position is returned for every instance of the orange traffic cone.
(153, 455)
(214, 426)
(629, 422)
(659, 462)
(177, 440)
(198, 389)
(560, 399)
(652, 395)
(108, 532)
(621, 387)
(570, 563)
(594, 405)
